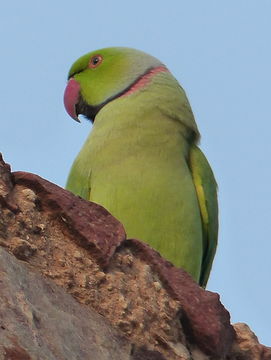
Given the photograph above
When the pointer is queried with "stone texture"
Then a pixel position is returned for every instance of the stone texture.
(90, 224)
(39, 320)
(83, 249)
(247, 346)
(203, 316)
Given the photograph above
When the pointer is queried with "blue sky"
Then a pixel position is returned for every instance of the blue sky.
(221, 54)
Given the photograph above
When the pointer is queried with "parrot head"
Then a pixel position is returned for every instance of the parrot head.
(101, 76)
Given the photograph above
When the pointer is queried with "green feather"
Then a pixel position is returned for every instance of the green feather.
(206, 188)
(140, 160)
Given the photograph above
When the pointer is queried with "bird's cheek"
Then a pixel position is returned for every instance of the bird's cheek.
(71, 97)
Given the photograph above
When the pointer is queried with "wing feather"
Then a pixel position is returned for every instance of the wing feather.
(206, 189)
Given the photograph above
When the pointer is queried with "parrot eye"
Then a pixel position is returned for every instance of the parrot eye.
(95, 61)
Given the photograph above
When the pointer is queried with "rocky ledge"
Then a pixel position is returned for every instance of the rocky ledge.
(73, 287)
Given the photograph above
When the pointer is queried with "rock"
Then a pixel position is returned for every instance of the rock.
(90, 225)
(39, 320)
(83, 249)
(247, 346)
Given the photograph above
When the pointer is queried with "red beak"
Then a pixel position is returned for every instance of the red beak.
(71, 98)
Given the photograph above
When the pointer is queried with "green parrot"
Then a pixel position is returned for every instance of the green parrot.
(141, 160)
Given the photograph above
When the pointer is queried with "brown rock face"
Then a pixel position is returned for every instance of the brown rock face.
(247, 345)
(39, 320)
(79, 249)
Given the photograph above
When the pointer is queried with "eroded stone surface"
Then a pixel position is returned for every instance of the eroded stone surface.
(39, 320)
(247, 346)
(90, 224)
(83, 249)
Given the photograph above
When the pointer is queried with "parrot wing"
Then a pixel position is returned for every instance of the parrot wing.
(79, 181)
(206, 189)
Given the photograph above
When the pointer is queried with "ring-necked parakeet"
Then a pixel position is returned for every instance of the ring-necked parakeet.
(141, 160)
